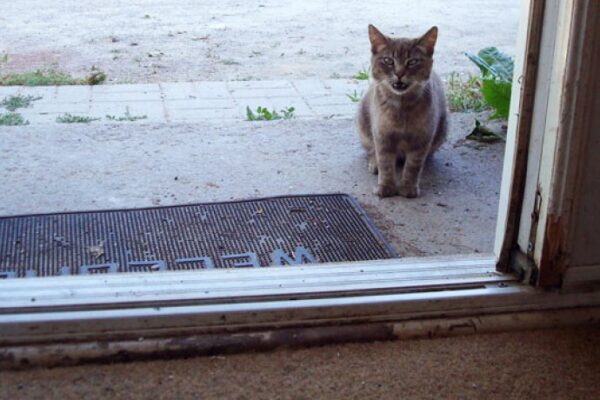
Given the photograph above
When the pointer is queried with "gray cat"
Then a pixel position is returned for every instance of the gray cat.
(403, 114)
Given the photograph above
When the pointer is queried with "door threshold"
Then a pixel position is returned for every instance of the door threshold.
(58, 320)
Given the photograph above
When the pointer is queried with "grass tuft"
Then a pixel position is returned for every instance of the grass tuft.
(126, 117)
(355, 97)
(74, 119)
(11, 103)
(464, 95)
(50, 77)
(362, 75)
(12, 119)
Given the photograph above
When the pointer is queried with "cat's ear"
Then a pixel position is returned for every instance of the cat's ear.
(378, 39)
(427, 41)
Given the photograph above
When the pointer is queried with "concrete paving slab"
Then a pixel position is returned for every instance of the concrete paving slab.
(204, 114)
(343, 86)
(179, 90)
(110, 96)
(262, 84)
(127, 88)
(211, 90)
(70, 94)
(173, 101)
(311, 87)
(330, 100)
(58, 108)
(199, 103)
(9, 91)
(263, 92)
(334, 110)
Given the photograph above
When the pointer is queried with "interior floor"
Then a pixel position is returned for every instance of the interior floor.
(543, 364)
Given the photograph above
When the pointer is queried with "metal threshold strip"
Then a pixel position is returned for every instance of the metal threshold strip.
(84, 318)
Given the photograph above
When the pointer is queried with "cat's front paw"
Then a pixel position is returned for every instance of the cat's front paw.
(385, 190)
(408, 191)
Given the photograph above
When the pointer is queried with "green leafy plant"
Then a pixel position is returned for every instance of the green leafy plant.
(74, 119)
(464, 95)
(496, 79)
(481, 133)
(126, 117)
(362, 75)
(50, 77)
(263, 114)
(288, 113)
(12, 119)
(354, 97)
(11, 103)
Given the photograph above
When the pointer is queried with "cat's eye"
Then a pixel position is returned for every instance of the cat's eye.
(412, 62)
(388, 61)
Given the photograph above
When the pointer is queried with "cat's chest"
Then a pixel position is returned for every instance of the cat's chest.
(404, 122)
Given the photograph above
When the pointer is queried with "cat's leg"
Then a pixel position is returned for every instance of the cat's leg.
(372, 162)
(385, 149)
(411, 174)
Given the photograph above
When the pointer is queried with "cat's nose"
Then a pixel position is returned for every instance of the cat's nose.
(399, 85)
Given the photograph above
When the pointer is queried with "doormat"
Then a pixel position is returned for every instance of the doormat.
(273, 231)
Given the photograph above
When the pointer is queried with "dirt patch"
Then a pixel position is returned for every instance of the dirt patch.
(168, 40)
(33, 60)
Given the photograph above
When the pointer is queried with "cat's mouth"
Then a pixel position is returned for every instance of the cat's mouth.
(400, 86)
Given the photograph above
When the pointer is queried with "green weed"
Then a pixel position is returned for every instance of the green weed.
(464, 95)
(126, 117)
(74, 119)
(354, 97)
(263, 114)
(12, 119)
(362, 75)
(11, 103)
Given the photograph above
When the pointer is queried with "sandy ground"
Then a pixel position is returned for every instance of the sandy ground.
(182, 40)
(110, 167)
(553, 364)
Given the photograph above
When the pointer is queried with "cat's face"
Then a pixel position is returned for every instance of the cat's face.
(402, 65)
